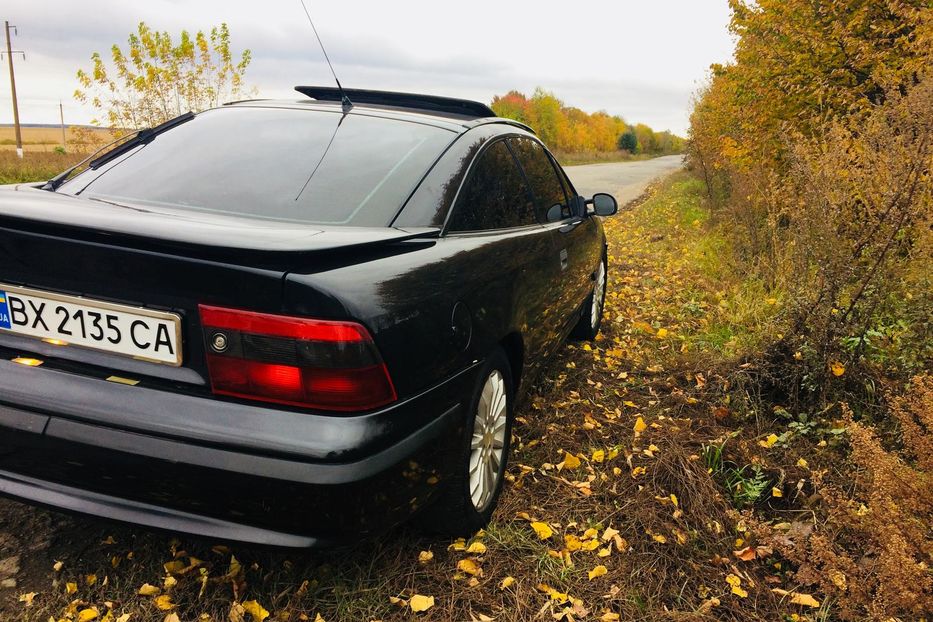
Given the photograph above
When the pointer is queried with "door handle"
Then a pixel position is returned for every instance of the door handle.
(563, 259)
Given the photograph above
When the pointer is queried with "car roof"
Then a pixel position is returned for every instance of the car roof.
(457, 115)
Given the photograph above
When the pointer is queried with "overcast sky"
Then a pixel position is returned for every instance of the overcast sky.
(638, 59)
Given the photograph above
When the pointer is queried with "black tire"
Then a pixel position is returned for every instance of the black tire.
(586, 328)
(454, 513)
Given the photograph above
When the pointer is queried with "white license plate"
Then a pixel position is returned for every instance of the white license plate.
(118, 329)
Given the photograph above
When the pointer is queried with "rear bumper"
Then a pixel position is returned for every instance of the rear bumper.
(221, 469)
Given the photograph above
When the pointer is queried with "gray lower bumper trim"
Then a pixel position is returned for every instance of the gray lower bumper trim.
(104, 506)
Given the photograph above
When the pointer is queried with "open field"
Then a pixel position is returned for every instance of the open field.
(43, 139)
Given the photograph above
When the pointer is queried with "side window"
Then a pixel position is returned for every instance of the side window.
(545, 184)
(495, 195)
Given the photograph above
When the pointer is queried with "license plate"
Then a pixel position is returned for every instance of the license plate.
(143, 334)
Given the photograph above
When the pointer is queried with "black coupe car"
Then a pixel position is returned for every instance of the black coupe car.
(289, 322)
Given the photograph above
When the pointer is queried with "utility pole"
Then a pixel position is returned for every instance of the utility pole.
(61, 115)
(9, 58)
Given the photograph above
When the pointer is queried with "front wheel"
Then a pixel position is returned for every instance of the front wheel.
(483, 448)
(592, 316)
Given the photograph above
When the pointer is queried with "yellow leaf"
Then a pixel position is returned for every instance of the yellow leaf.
(28, 598)
(506, 583)
(610, 617)
(838, 579)
(470, 567)
(639, 470)
(769, 442)
(543, 530)
(425, 556)
(606, 552)
(797, 598)
(598, 571)
(736, 583)
(71, 588)
(165, 603)
(640, 425)
(477, 548)
(174, 567)
(802, 463)
(458, 545)
(419, 603)
(674, 500)
(659, 538)
(630, 404)
(570, 461)
(776, 492)
(172, 617)
(662, 333)
(255, 610)
(86, 615)
(91, 579)
(599, 455)
(149, 590)
(57, 566)
(837, 368)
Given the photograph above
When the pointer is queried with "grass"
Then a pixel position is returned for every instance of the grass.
(34, 165)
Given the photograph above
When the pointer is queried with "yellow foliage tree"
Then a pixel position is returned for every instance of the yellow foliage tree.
(157, 79)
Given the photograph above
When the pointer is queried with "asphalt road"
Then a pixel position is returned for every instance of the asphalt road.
(625, 181)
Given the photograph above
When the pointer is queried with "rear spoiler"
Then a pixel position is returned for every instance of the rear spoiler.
(411, 101)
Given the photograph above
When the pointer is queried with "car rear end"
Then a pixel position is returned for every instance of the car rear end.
(149, 368)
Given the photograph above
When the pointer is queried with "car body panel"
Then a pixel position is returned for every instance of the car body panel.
(176, 456)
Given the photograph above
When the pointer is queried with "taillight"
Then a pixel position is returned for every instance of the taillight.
(321, 364)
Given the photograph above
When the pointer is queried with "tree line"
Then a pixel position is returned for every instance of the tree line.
(571, 130)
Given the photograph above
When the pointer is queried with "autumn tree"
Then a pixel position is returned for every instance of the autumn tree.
(571, 130)
(156, 78)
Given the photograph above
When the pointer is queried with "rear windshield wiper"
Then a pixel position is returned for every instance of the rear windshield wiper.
(139, 138)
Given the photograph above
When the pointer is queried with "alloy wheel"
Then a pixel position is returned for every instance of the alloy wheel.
(599, 295)
(487, 446)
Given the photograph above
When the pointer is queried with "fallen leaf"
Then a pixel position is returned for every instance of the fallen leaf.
(477, 548)
(86, 615)
(57, 566)
(255, 610)
(71, 588)
(570, 461)
(736, 584)
(419, 603)
(598, 571)
(640, 425)
(598, 455)
(506, 583)
(776, 492)
(28, 598)
(609, 617)
(165, 603)
(425, 556)
(837, 368)
(149, 590)
(172, 617)
(543, 530)
(769, 442)
(470, 567)
(797, 598)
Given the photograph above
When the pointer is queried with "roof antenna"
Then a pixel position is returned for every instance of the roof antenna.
(344, 100)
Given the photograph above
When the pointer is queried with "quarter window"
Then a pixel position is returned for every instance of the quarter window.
(495, 195)
(546, 186)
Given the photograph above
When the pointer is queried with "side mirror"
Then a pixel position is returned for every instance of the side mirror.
(604, 204)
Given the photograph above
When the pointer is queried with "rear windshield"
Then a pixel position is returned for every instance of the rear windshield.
(272, 163)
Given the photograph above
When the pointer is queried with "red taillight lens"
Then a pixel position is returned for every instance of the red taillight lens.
(318, 364)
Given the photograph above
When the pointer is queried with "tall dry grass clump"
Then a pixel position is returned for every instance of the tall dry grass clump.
(873, 551)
